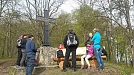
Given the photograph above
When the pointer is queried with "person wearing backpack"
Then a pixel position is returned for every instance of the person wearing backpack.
(23, 50)
(71, 43)
(19, 51)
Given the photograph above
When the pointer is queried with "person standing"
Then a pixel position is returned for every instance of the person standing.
(31, 53)
(19, 51)
(97, 48)
(71, 43)
(23, 50)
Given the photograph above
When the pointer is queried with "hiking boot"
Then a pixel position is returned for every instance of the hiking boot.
(64, 70)
(102, 67)
(74, 69)
(98, 68)
(82, 67)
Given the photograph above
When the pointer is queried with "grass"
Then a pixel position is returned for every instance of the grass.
(122, 68)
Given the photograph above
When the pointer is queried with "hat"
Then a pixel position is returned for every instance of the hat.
(70, 29)
(30, 36)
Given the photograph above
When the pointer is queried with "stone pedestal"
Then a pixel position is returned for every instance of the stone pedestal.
(17, 71)
(47, 54)
(22, 70)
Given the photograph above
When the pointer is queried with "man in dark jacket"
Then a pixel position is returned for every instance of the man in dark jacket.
(31, 53)
(70, 49)
(23, 50)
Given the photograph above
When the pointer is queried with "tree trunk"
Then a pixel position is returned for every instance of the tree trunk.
(132, 47)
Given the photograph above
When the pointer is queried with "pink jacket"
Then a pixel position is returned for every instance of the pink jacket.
(90, 50)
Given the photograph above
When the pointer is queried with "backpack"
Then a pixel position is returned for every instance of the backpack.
(71, 40)
(103, 52)
(18, 43)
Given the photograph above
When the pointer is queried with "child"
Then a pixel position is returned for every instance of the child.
(89, 54)
(61, 46)
(60, 53)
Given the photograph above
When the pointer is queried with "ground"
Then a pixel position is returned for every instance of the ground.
(92, 71)
(5, 69)
(5, 66)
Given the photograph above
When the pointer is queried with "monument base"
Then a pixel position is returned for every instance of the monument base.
(47, 54)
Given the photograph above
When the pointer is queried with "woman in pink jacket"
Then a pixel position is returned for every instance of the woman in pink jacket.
(89, 54)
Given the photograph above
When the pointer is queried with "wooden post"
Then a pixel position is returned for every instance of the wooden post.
(94, 63)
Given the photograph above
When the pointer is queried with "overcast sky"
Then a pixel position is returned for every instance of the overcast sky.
(69, 6)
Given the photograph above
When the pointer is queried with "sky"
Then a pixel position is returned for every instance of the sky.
(69, 6)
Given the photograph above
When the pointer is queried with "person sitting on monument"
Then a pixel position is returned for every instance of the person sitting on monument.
(60, 53)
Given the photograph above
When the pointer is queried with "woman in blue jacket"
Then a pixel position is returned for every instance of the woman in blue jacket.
(97, 48)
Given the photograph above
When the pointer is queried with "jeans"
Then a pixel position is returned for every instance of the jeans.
(30, 64)
(98, 52)
(23, 59)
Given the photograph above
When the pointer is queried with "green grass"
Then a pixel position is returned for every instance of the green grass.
(122, 68)
(7, 59)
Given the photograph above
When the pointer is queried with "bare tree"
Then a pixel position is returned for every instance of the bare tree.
(119, 14)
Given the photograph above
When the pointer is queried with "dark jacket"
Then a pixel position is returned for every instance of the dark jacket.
(60, 54)
(23, 43)
(66, 38)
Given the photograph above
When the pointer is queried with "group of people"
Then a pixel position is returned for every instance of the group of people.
(26, 53)
(93, 47)
(21, 44)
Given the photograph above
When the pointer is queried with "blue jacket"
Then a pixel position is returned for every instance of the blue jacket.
(30, 48)
(96, 39)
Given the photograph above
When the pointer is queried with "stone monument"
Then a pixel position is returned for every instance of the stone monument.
(47, 53)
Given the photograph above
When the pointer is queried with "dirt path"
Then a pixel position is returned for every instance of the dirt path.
(5, 66)
(106, 71)
(92, 71)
